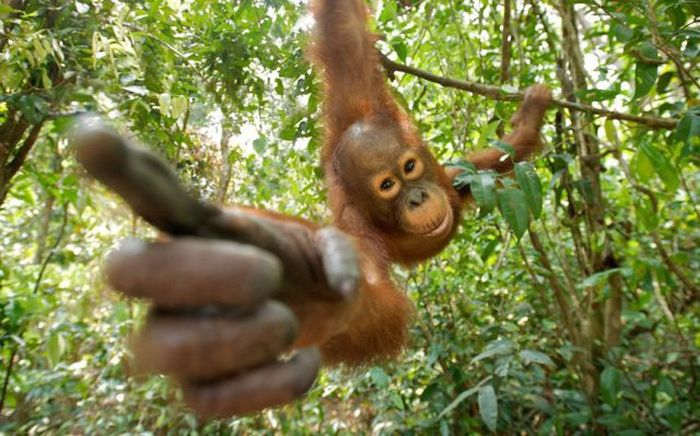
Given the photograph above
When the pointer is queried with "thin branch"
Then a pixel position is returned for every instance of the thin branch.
(54, 249)
(505, 42)
(496, 93)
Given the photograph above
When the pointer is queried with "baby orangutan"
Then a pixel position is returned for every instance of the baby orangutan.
(235, 289)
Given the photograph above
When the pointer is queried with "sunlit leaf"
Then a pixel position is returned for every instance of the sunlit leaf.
(662, 166)
(260, 144)
(55, 347)
(644, 78)
(487, 132)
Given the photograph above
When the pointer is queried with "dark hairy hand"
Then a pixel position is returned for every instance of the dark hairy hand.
(231, 290)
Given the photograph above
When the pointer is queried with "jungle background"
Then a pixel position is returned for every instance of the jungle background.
(568, 302)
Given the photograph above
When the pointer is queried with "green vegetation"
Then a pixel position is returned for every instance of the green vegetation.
(569, 302)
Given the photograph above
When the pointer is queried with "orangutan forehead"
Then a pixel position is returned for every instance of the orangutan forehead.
(371, 147)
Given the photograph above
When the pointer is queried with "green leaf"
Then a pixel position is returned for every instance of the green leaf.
(6, 9)
(55, 347)
(279, 87)
(610, 384)
(487, 131)
(260, 144)
(649, 51)
(598, 94)
(461, 397)
(662, 166)
(530, 356)
(401, 49)
(597, 278)
(483, 188)
(644, 79)
(501, 347)
(379, 377)
(689, 126)
(33, 108)
(388, 9)
(489, 249)
(164, 102)
(45, 80)
(397, 401)
(488, 406)
(513, 206)
(610, 132)
(662, 83)
(646, 214)
(622, 32)
(465, 165)
(642, 167)
(506, 148)
(178, 106)
(530, 184)
(676, 16)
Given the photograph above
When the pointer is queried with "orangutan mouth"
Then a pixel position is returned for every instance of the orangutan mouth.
(441, 227)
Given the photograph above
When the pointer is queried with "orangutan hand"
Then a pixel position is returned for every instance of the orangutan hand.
(222, 286)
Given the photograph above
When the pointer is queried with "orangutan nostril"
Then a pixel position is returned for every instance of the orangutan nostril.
(417, 197)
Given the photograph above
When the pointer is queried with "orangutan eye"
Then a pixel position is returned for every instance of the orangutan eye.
(409, 166)
(386, 184)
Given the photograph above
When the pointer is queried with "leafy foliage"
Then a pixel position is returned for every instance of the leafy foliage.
(586, 321)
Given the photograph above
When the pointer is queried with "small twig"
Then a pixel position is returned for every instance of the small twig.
(59, 239)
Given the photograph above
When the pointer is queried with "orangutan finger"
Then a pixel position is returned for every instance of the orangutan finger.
(267, 386)
(191, 273)
(204, 348)
(340, 262)
(139, 177)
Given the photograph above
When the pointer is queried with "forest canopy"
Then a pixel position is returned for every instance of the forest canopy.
(568, 302)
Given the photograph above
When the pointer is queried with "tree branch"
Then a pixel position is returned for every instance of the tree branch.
(505, 42)
(496, 93)
(22, 153)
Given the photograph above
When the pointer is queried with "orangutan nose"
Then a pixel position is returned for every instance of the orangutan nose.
(416, 197)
